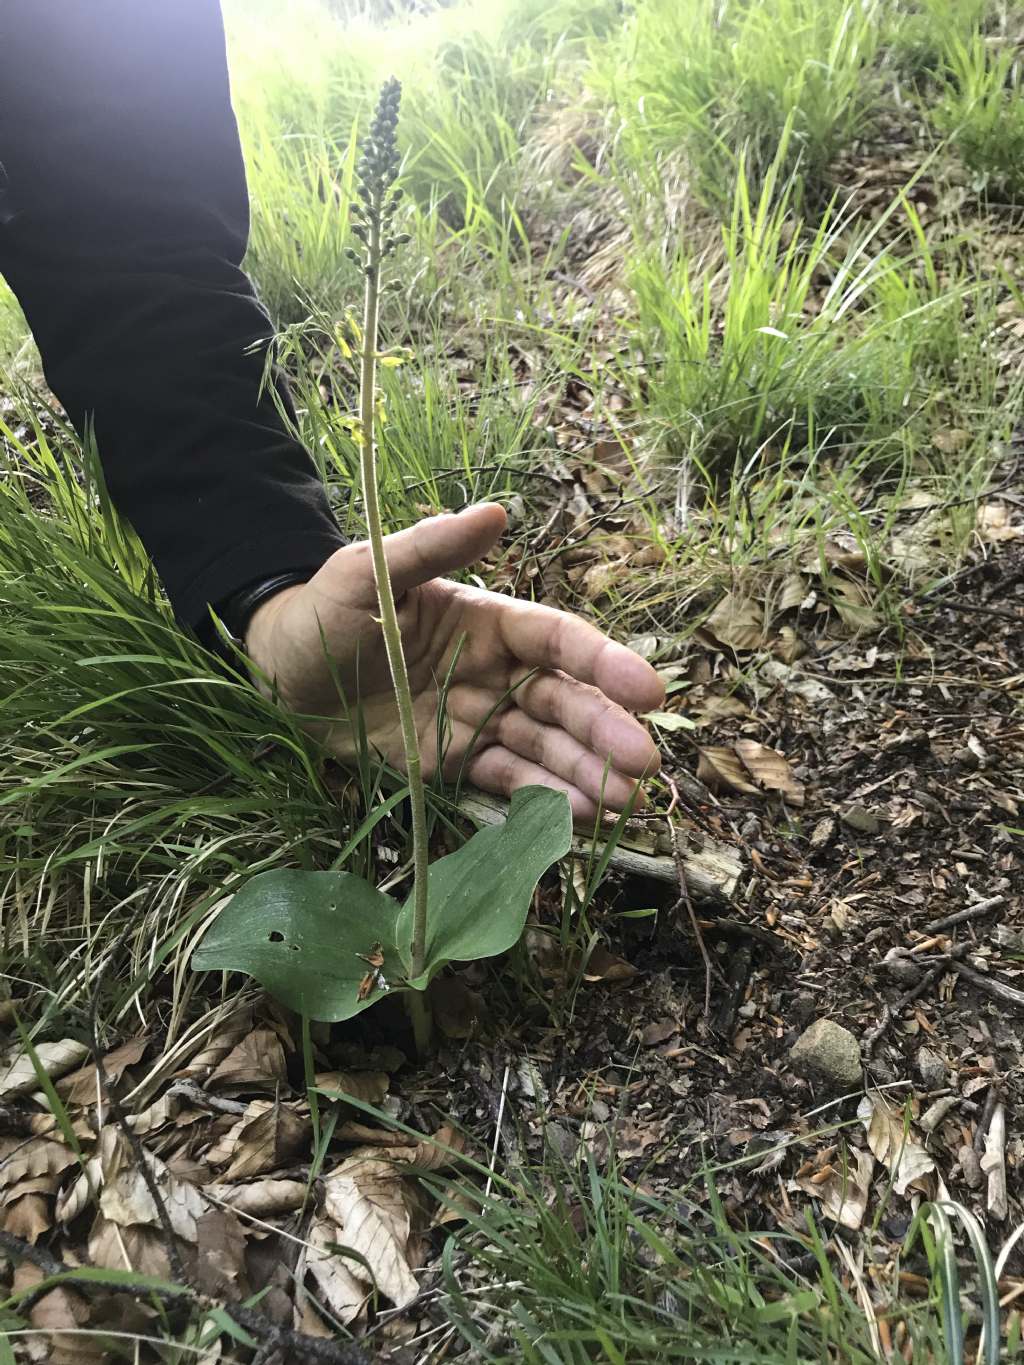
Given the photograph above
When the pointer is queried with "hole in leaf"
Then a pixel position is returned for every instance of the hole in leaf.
(276, 936)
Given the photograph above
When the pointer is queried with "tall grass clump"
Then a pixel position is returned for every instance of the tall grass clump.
(727, 80)
(571, 1263)
(789, 330)
(917, 35)
(981, 109)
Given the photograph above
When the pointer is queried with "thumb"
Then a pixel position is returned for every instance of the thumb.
(442, 544)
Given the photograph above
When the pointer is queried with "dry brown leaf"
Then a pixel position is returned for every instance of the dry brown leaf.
(368, 1201)
(368, 1086)
(18, 1075)
(737, 622)
(598, 579)
(124, 1198)
(28, 1217)
(137, 1247)
(770, 770)
(605, 966)
(792, 592)
(714, 708)
(721, 770)
(82, 1086)
(255, 1064)
(342, 1293)
(268, 1139)
(788, 646)
(220, 1250)
(59, 1313)
(457, 1009)
(854, 607)
(995, 523)
(894, 1145)
(261, 1199)
(227, 1030)
(844, 1195)
(38, 1157)
(952, 440)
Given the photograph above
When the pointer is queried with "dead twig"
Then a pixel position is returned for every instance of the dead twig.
(889, 1012)
(962, 916)
(685, 899)
(997, 989)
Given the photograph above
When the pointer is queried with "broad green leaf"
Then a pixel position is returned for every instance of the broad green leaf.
(312, 939)
(478, 897)
(306, 937)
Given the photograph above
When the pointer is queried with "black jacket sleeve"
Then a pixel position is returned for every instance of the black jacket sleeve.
(123, 221)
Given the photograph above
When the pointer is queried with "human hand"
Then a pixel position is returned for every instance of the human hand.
(567, 726)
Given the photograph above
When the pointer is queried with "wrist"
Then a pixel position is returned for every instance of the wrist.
(261, 622)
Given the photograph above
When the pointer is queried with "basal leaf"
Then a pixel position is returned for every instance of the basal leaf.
(312, 939)
(478, 896)
(328, 945)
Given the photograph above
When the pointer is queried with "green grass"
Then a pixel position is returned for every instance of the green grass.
(630, 249)
(727, 80)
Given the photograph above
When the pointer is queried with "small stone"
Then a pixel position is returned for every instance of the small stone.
(931, 1068)
(901, 967)
(971, 1167)
(860, 819)
(558, 1139)
(828, 1053)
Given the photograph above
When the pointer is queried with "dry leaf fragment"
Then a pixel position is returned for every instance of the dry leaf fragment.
(737, 622)
(457, 1009)
(82, 1086)
(716, 707)
(368, 1086)
(254, 1064)
(343, 1295)
(367, 1200)
(261, 1199)
(60, 1312)
(28, 1217)
(18, 1075)
(38, 1158)
(792, 592)
(854, 607)
(770, 770)
(658, 1032)
(267, 1138)
(605, 966)
(720, 769)
(995, 523)
(891, 1142)
(844, 1193)
(226, 1031)
(124, 1198)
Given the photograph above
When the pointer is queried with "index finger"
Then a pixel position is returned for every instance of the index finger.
(542, 637)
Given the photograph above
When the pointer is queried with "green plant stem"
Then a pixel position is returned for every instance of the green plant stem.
(388, 612)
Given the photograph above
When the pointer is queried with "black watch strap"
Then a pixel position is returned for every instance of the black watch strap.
(236, 611)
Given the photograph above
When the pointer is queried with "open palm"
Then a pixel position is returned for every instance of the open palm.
(534, 695)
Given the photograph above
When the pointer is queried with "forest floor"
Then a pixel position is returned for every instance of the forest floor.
(754, 411)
